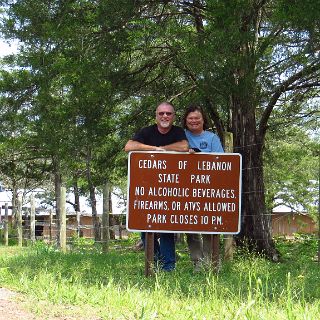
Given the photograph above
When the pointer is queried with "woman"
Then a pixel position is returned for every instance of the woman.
(200, 140)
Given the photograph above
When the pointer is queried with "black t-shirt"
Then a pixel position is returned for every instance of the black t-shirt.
(152, 137)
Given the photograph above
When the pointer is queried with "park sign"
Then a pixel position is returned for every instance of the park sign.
(184, 192)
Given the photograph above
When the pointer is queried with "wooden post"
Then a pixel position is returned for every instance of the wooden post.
(78, 223)
(228, 247)
(215, 242)
(32, 219)
(319, 211)
(50, 225)
(57, 188)
(120, 226)
(63, 220)
(6, 224)
(215, 249)
(149, 254)
(228, 239)
(19, 221)
(105, 218)
(14, 207)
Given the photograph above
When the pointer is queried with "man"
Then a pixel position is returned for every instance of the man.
(162, 136)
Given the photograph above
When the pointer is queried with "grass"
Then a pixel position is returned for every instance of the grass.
(113, 285)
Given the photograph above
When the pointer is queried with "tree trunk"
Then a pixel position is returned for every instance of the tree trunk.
(32, 219)
(14, 204)
(93, 201)
(76, 194)
(95, 218)
(19, 220)
(105, 217)
(57, 186)
(6, 224)
(63, 220)
(255, 224)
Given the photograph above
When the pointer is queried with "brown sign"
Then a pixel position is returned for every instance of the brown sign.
(183, 192)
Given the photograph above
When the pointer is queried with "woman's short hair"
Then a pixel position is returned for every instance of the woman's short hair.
(193, 108)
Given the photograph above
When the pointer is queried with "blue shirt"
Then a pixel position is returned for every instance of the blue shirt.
(206, 141)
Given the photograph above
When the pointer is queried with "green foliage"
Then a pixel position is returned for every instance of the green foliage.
(80, 244)
(113, 286)
(298, 13)
(91, 73)
(292, 168)
(40, 248)
(70, 114)
(304, 247)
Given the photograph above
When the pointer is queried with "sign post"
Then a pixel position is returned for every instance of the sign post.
(149, 253)
(184, 193)
(228, 239)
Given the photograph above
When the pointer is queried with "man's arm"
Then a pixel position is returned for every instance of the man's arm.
(180, 146)
(132, 145)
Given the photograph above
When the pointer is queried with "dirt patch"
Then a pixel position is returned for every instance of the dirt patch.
(14, 307)
(10, 309)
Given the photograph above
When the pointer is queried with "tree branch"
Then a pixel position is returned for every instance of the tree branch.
(283, 87)
(216, 118)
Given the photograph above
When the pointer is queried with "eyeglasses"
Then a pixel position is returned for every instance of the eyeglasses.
(165, 113)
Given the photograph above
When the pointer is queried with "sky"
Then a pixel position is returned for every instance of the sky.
(6, 48)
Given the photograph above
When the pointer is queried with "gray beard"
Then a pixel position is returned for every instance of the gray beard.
(165, 124)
